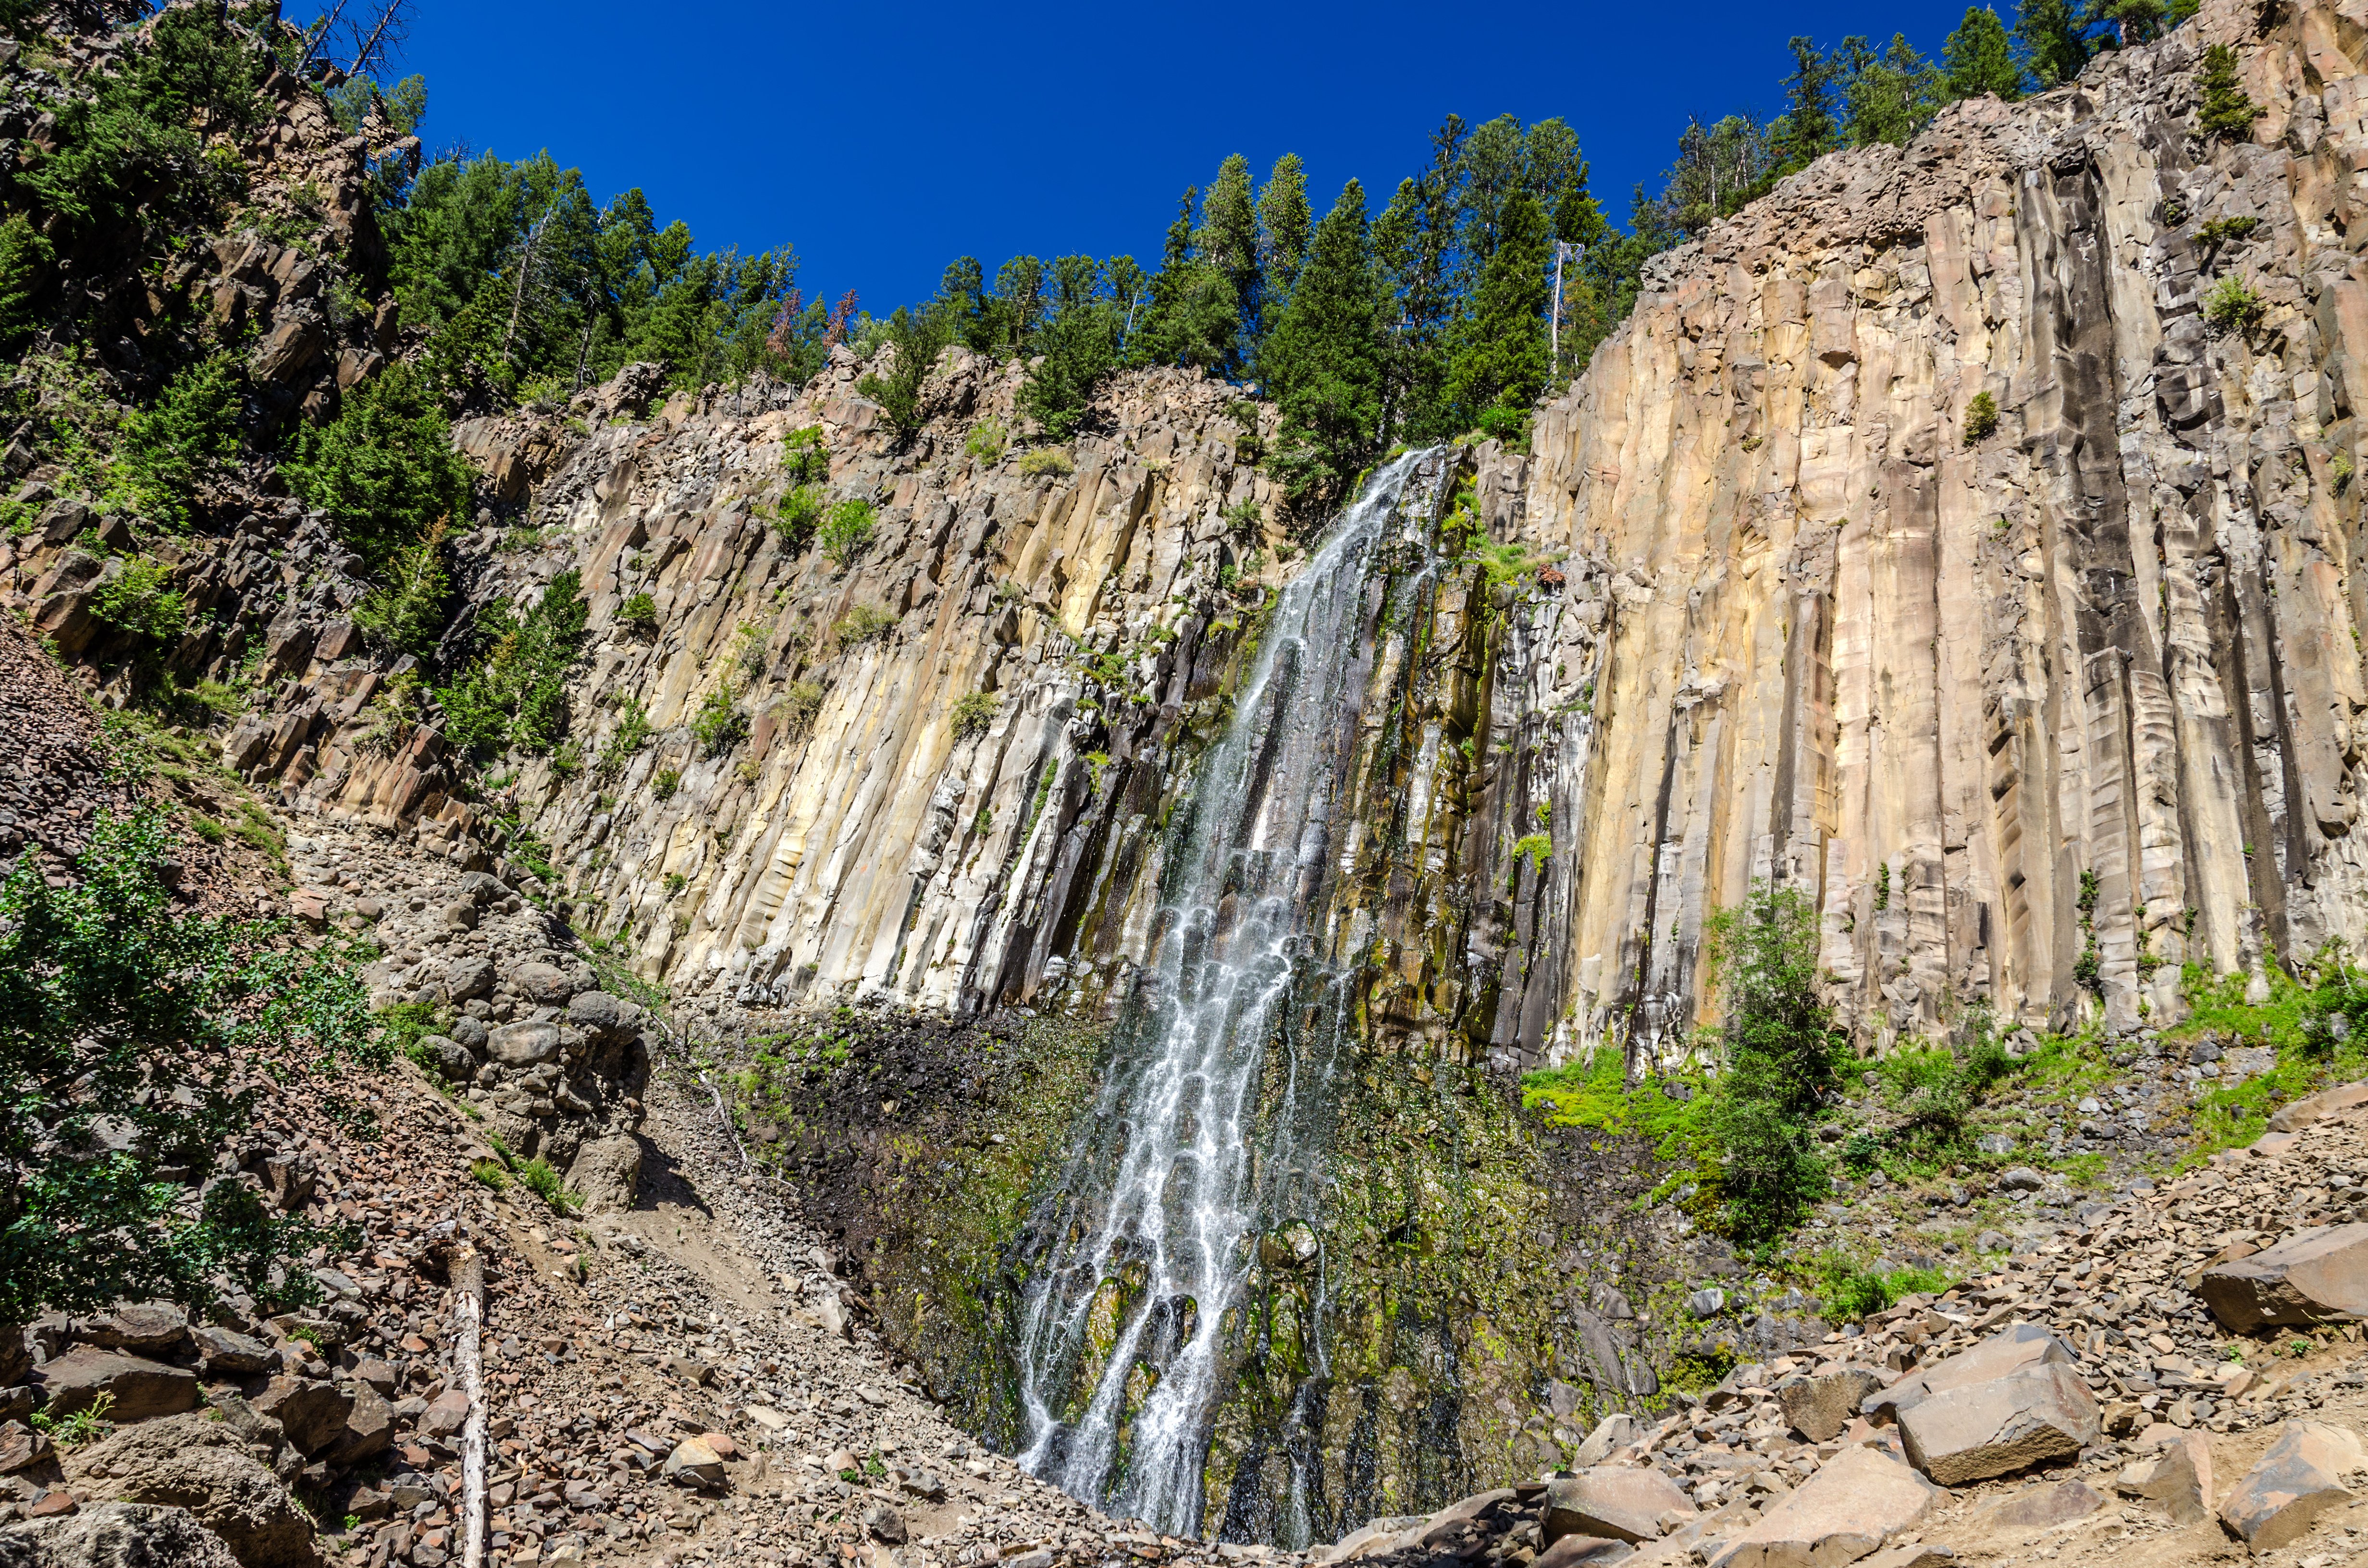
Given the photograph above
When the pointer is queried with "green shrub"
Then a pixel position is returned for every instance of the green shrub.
(1847, 1293)
(861, 624)
(515, 692)
(805, 458)
(987, 441)
(120, 1011)
(140, 600)
(407, 611)
(1535, 848)
(166, 452)
(208, 829)
(974, 712)
(639, 613)
(799, 516)
(917, 338)
(2231, 306)
(2225, 231)
(1244, 518)
(719, 723)
(752, 653)
(544, 1183)
(1044, 461)
(26, 260)
(2226, 110)
(630, 733)
(797, 708)
(845, 530)
(1981, 418)
(384, 470)
(667, 781)
(490, 1173)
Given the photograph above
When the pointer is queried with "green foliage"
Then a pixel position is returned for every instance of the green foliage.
(861, 624)
(2220, 232)
(845, 530)
(719, 723)
(800, 513)
(1498, 358)
(87, 1424)
(987, 441)
(1535, 848)
(1077, 346)
(974, 712)
(405, 612)
(630, 733)
(805, 458)
(394, 711)
(916, 338)
(130, 1031)
(384, 470)
(26, 260)
(491, 1173)
(1851, 1294)
(140, 599)
(640, 612)
(798, 707)
(1978, 58)
(1042, 461)
(515, 694)
(2231, 306)
(1323, 360)
(666, 783)
(1981, 418)
(752, 654)
(2226, 110)
(166, 452)
(539, 1178)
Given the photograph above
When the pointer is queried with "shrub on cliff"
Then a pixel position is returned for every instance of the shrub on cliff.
(406, 612)
(141, 600)
(132, 1034)
(845, 530)
(384, 469)
(164, 453)
(2226, 110)
(918, 336)
(516, 693)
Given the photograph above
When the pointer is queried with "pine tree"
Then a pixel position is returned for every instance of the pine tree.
(2133, 21)
(1078, 345)
(1499, 364)
(962, 296)
(2055, 40)
(1190, 317)
(1323, 362)
(1890, 95)
(2226, 110)
(1978, 58)
(1227, 239)
(1284, 223)
(1413, 242)
(1806, 133)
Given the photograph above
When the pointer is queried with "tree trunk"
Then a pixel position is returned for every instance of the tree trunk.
(467, 1322)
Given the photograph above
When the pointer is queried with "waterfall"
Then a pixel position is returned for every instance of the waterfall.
(1210, 1131)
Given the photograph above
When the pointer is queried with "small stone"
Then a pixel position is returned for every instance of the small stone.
(884, 1524)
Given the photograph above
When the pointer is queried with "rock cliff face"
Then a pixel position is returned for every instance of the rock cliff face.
(1835, 641)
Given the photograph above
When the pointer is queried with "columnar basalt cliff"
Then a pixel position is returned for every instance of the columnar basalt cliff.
(1840, 637)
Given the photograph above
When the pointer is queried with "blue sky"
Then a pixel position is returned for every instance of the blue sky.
(882, 141)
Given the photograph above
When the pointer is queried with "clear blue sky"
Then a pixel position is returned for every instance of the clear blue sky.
(884, 140)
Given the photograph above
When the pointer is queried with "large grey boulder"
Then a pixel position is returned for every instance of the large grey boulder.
(607, 1174)
(2007, 1350)
(115, 1535)
(2038, 1413)
(527, 1043)
(606, 1018)
(195, 1462)
(545, 983)
(1616, 1502)
(2299, 1478)
(136, 1389)
(1859, 1500)
(2312, 1276)
(1819, 1407)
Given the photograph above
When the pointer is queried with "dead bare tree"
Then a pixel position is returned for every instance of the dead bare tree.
(385, 38)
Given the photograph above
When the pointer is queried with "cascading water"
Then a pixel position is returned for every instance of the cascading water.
(1211, 1123)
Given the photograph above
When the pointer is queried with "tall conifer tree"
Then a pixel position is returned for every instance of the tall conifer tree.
(1322, 361)
(1499, 365)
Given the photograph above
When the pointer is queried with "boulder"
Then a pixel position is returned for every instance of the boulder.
(223, 1351)
(137, 1389)
(195, 1462)
(607, 1172)
(146, 1328)
(1856, 1502)
(527, 1043)
(1375, 1538)
(2038, 1413)
(2043, 1507)
(544, 983)
(21, 1447)
(311, 1411)
(1612, 1501)
(467, 977)
(695, 1463)
(2007, 1350)
(2312, 1276)
(445, 1415)
(1612, 1432)
(470, 1032)
(115, 1535)
(884, 1524)
(1583, 1551)
(1819, 1407)
(605, 1017)
(2179, 1479)
(2295, 1115)
(2299, 1478)
(368, 1429)
(450, 1058)
(1924, 1554)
